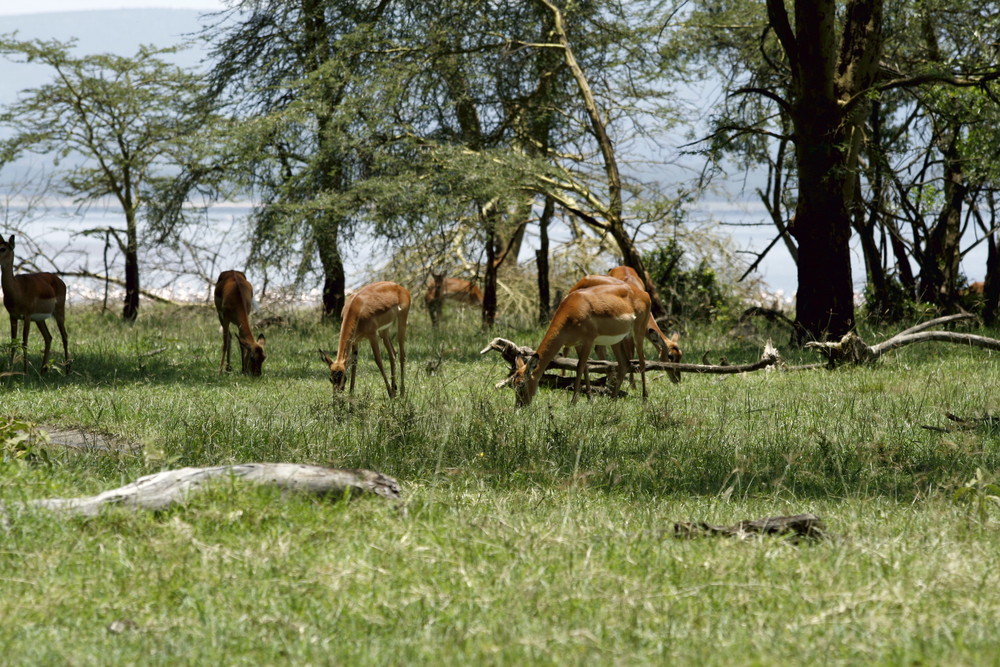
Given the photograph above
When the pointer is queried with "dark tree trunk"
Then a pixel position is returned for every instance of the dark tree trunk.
(329, 176)
(825, 298)
(490, 277)
(902, 259)
(334, 279)
(830, 71)
(542, 263)
(822, 224)
(991, 289)
(131, 310)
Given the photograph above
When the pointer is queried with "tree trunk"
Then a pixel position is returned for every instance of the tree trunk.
(334, 279)
(490, 276)
(940, 268)
(131, 310)
(542, 263)
(991, 289)
(829, 76)
(879, 296)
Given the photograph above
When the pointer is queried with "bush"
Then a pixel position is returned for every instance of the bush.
(691, 293)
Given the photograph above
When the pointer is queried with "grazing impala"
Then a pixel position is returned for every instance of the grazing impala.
(667, 348)
(233, 302)
(369, 314)
(32, 297)
(440, 288)
(597, 315)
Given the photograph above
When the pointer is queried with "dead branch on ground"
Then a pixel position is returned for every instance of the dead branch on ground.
(798, 526)
(511, 352)
(852, 350)
(165, 489)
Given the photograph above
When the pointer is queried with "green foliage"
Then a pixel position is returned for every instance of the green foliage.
(898, 305)
(21, 440)
(690, 292)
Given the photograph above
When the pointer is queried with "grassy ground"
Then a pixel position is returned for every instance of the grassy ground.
(535, 536)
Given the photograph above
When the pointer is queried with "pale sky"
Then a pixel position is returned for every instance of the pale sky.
(11, 7)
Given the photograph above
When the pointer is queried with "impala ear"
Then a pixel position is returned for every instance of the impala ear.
(10, 241)
(261, 340)
(676, 337)
(326, 358)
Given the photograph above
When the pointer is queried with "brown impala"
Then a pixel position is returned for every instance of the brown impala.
(234, 301)
(369, 314)
(598, 315)
(32, 297)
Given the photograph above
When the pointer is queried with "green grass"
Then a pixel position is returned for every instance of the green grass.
(540, 536)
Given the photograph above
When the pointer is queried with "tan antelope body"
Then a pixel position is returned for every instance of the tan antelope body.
(440, 288)
(603, 314)
(667, 348)
(32, 297)
(233, 302)
(369, 314)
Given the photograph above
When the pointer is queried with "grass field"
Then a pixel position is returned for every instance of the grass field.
(540, 536)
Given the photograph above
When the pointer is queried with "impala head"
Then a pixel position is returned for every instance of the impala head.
(7, 251)
(672, 352)
(524, 387)
(253, 357)
(338, 371)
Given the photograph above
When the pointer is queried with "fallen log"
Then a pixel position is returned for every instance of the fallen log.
(798, 526)
(511, 352)
(171, 487)
(850, 349)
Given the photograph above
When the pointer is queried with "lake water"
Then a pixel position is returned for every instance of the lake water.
(187, 273)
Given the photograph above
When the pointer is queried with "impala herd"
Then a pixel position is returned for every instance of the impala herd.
(608, 310)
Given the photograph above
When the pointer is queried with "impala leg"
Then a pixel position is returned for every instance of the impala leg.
(583, 351)
(381, 368)
(622, 360)
(392, 357)
(13, 339)
(401, 339)
(354, 365)
(44, 328)
(628, 347)
(61, 323)
(24, 343)
(224, 366)
(642, 362)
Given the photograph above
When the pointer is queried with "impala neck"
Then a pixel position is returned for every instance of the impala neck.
(243, 323)
(547, 350)
(347, 330)
(7, 280)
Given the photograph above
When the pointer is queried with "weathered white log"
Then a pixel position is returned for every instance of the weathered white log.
(170, 487)
(511, 351)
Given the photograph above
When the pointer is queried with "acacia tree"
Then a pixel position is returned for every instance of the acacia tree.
(801, 83)
(909, 119)
(285, 71)
(123, 122)
(939, 138)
